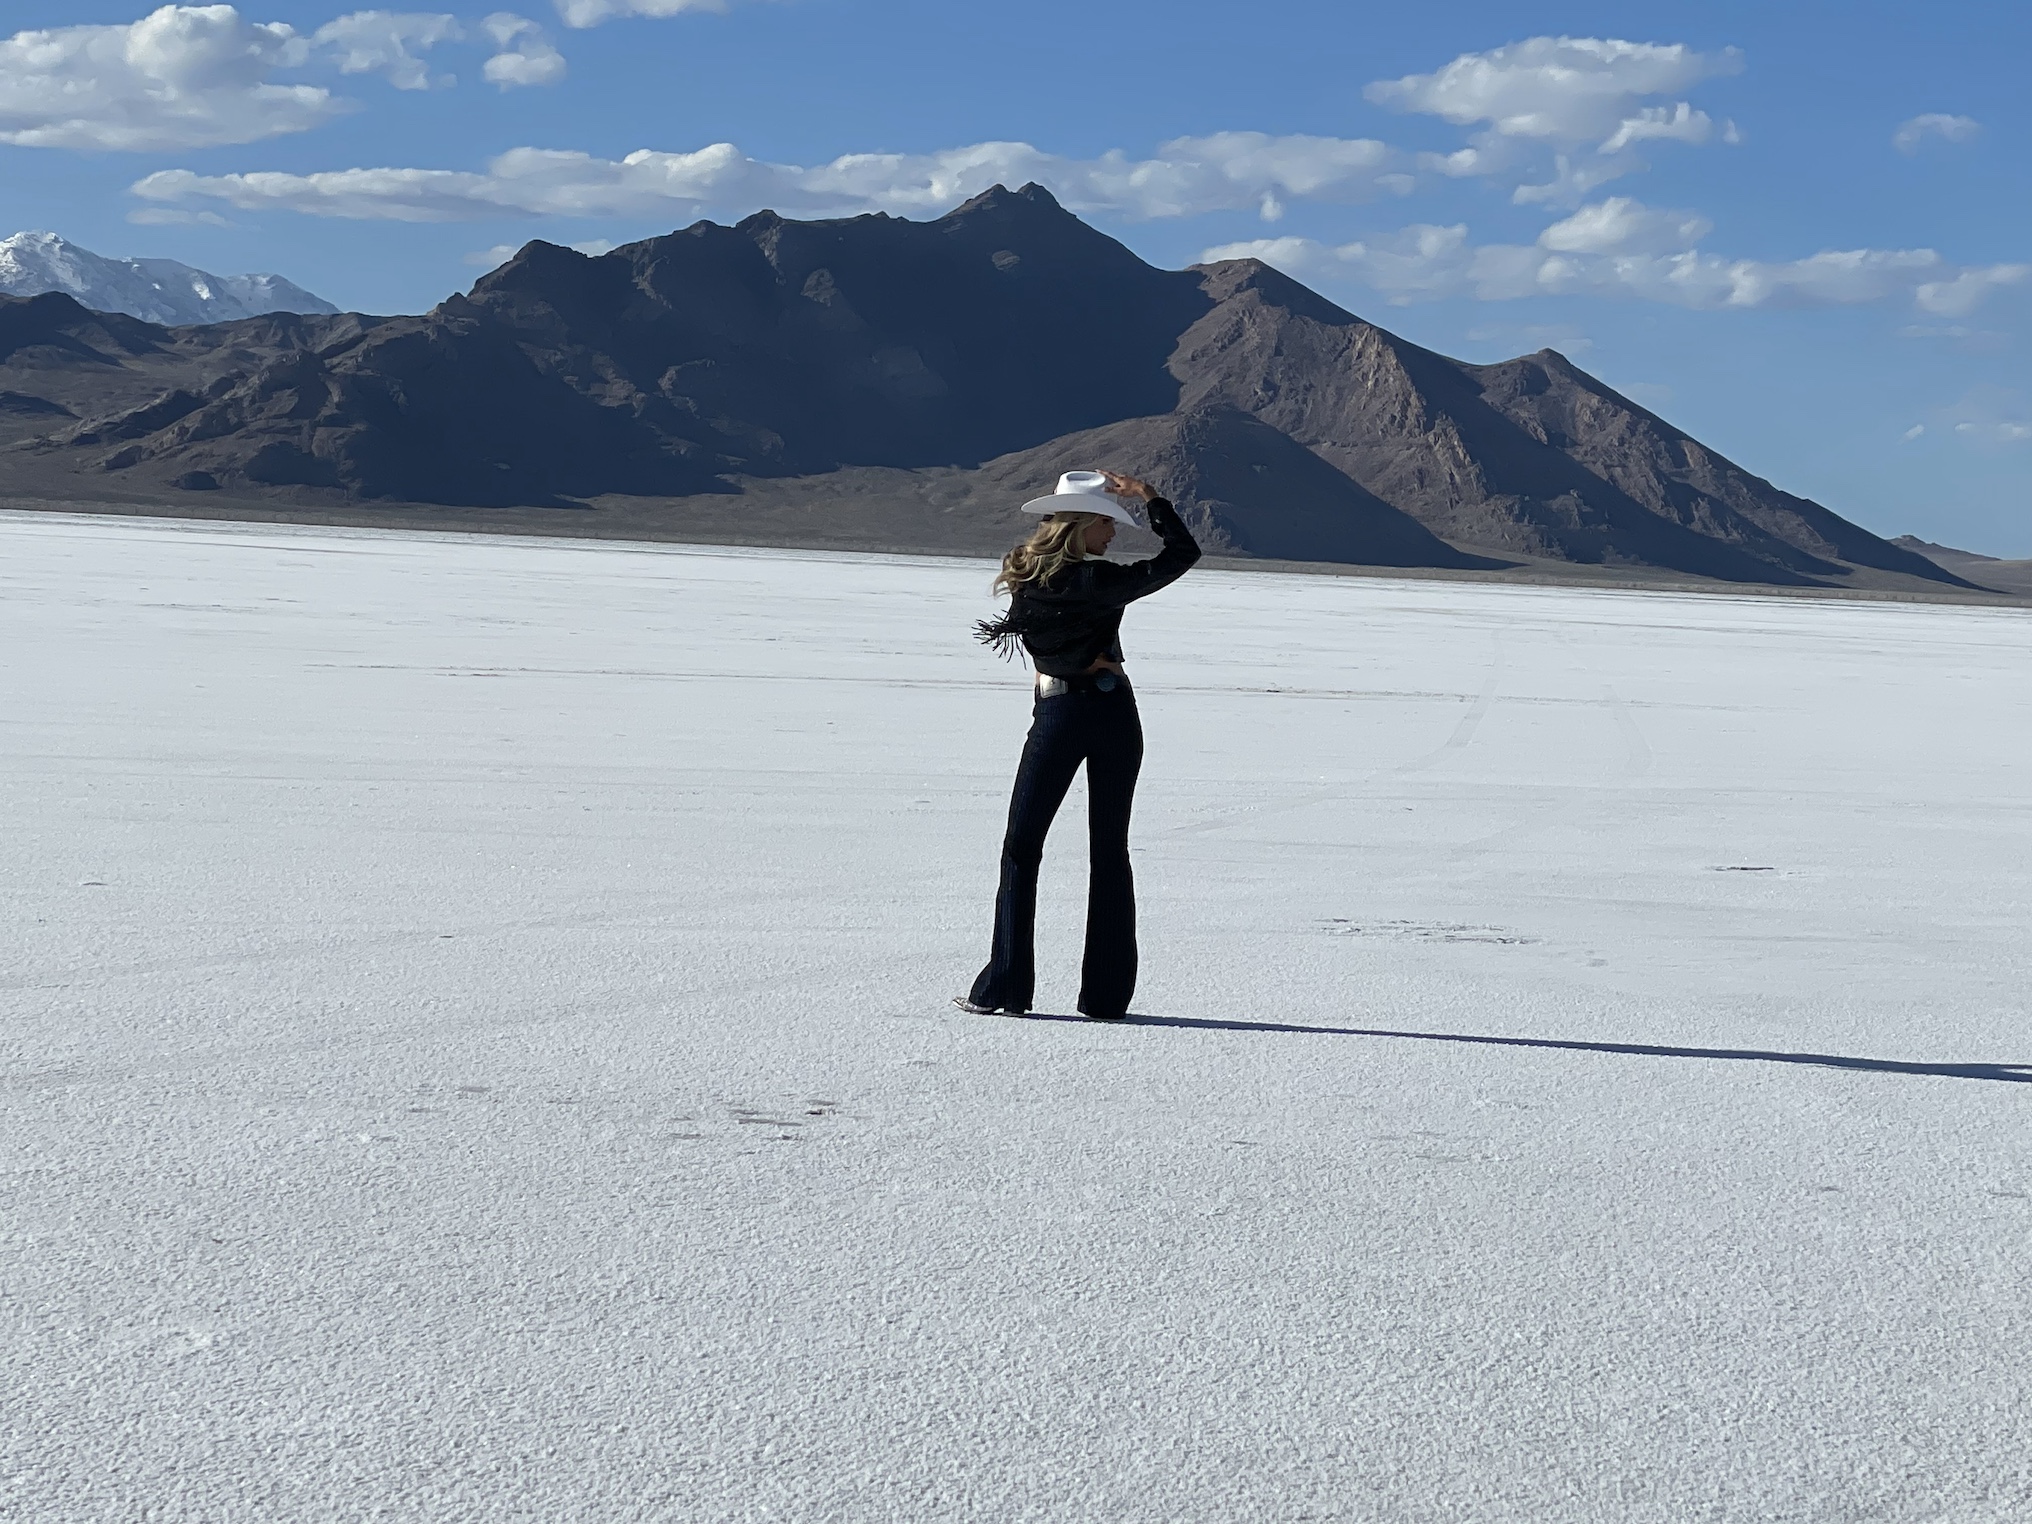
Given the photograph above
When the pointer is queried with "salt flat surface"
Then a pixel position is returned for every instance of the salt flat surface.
(475, 1048)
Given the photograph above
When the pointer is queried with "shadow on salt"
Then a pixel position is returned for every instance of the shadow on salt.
(2014, 1074)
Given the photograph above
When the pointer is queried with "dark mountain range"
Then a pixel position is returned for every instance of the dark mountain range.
(998, 345)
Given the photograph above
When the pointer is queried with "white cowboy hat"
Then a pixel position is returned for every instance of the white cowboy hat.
(1083, 492)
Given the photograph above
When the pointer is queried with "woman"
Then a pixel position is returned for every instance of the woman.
(1066, 610)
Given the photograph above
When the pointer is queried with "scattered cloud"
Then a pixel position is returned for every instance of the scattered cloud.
(1622, 226)
(1575, 179)
(525, 55)
(196, 76)
(386, 43)
(585, 13)
(169, 216)
(1560, 89)
(1619, 247)
(1422, 262)
(1188, 176)
(1912, 135)
(1989, 417)
(184, 76)
(1959, 294)
(1678, 123)
(1590, 99)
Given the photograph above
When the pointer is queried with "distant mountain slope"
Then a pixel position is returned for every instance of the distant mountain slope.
(1984, 571)
(1672, 474)
(154, 290)
(1532, 456)
(1246, 489)
(1006, 341)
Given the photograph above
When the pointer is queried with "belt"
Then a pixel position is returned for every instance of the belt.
(1099, 682)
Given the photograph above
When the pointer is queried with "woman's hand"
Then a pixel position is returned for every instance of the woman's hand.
(1129, 486)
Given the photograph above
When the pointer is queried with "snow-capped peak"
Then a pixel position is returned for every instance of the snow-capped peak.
(154, 290)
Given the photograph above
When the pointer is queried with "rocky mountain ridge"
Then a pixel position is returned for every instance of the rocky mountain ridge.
(1002, 341)
(162, 291)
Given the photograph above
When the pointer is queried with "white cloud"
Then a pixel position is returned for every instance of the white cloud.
(1987, 416)
(1911, 135)
(1567, 90)
(386, 43)
(1622, 248)
(1460, 163)
(1620, 225)
(584, 13)
(1959, 294)
(1678, 123)
(1836, 277)
(181, 77)
(525, 56)
(1423, 262)
(1565, 93)
(1575, 179)
(1225, 171)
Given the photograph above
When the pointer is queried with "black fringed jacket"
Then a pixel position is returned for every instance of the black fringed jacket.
(1076, 618)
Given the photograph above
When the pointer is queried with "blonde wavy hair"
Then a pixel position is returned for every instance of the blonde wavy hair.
(1059, 542)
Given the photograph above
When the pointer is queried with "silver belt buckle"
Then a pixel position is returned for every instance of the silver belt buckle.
(1051, 687)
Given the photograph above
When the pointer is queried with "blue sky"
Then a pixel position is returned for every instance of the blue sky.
(1798, 230)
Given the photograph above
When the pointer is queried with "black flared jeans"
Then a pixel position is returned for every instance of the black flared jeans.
(1101, 729)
